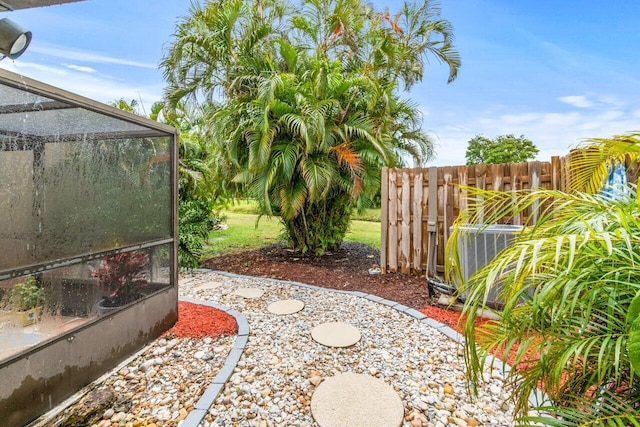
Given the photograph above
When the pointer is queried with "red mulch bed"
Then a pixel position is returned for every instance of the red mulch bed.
(448, 317)
(454, 320)
(199, 321)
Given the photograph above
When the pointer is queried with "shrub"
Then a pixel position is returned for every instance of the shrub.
(195, 220)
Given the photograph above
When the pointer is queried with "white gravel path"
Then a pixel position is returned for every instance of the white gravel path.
(272, 384)
(281, 366)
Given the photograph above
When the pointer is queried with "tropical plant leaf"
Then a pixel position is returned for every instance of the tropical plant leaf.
(634, 310)
(568, 287)
(633, 345)
(294, 80)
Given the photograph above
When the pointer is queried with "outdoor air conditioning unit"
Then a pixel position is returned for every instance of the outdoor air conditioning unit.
(478, 245)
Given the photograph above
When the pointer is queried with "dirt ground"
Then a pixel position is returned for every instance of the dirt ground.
(347, 269)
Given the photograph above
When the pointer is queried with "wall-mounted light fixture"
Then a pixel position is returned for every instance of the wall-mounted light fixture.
(14, 40)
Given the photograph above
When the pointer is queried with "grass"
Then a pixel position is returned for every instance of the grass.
(248, 206)
(366, 232)
(242, 233)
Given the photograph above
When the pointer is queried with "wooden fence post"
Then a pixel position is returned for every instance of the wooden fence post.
(384, 218)
(407, 236)
(417, 219)
(405, 248)
(393, 221)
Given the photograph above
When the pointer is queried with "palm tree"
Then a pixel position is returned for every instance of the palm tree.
(130, 106)
(571, 296)
(307, 156)
(196, 157)
(309, 100)
(198, 190)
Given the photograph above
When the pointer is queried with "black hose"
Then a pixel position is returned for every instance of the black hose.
(443, 288)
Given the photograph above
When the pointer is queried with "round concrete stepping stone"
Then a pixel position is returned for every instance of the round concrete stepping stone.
(208, 285)
(250, 293)
(355, 399)
(336, 334)
(287, 306)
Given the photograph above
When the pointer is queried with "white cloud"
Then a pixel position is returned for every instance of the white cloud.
(94, 86)
(611, 100)
(518, 119)
(554, 120)
(20, 67)
(554, 133)
(81, 68)
(579, 101)
(64, 52)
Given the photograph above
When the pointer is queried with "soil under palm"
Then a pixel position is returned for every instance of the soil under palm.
(347, 269)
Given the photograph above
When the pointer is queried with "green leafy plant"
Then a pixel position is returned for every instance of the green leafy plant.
(26, 295)
(201, 190)
(570, 289)
(310, 103)
(502, 149)
(195, 221)
(633, 326)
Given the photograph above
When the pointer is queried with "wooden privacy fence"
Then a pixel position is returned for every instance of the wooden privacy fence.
(417, 201)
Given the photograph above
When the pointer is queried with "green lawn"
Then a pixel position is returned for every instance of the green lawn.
(248, 206)
(242, 233)
(366, 232)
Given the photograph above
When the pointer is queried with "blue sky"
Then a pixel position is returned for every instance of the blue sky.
(555, 71)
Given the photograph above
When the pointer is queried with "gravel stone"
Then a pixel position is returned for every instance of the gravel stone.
(423, 365)
(271, 383)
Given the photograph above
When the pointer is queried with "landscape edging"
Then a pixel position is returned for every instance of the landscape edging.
(536, 398)
(199, 411)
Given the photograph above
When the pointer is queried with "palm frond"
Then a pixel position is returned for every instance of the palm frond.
(588, 163)
(608, 410)
(566, 284)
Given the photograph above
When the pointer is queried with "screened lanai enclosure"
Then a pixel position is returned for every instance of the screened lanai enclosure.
(88, 265)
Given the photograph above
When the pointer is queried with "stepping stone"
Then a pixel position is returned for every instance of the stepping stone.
(187, 281)
(336, 334)
(208, 285)
(287, 306)
(355, 399)
(250, 293)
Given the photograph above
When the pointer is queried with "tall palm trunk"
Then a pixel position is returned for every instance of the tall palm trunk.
(320, 226)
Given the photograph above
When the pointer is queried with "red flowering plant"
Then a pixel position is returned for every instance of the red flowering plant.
(124, 276)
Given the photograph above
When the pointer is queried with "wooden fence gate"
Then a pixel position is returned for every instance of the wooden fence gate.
(418, 201)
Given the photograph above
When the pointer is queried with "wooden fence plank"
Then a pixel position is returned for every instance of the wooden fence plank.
(535, 170)
(417, 220)
(405, 247)
(393, 221)
(432, 220)
(516, 185)
(496, 173)
(480, 180)
(425, 219)
(448, 201)
(556, 173)
(384, 219)
(413, 197)
(463, 177)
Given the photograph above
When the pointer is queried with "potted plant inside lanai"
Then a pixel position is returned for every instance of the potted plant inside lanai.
(123, 277)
